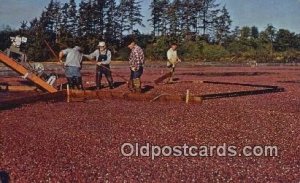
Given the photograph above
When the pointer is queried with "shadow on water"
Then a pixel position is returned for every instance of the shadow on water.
(116, 85)
(147, 88)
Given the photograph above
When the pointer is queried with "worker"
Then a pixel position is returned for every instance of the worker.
(173, 59)
(73, 66)
(103, 58)
(136, 63)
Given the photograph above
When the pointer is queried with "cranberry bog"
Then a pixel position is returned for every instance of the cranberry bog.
(44, 138)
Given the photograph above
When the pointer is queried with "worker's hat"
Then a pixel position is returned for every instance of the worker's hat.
(101, 44)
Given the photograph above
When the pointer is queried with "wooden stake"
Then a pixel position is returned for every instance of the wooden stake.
(187, 98)
(68, 94)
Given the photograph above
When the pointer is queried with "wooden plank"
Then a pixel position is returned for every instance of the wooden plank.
(162, 78)
(17, 88)
(242, 93)
(24, 72)
(79, 95)
(186, 81)
(240, 84)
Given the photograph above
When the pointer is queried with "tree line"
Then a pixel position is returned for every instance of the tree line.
(201, 27)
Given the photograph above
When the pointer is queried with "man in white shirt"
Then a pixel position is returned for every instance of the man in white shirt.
(103, 58)
(173, 59)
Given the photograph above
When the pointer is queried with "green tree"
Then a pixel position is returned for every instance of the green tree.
(37, 34)
(159, 16)
(86, 21)
(52, 16)
(254, 32)
(69, 24)
(135, 16)
(208, 12)
(245, 33)
(268, 36)
(187, 17)
(98, 18)
(72, 15)
(174, 14)
(284, 40)
(111, 21)
(222, 25)
(130, 15)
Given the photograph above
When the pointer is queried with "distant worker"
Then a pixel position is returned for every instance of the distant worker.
(173, 59)
(73, 66)
(103, 58)
(136, 63)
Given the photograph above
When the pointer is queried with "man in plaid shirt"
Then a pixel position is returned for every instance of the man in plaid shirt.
(136, 63)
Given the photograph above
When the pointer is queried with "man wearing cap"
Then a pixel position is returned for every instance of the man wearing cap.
(172, 59)
(73, 66)
(136, 63)
(103, 58)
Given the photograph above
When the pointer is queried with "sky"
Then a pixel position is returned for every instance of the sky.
(279, 13)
